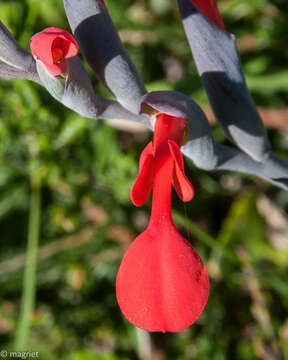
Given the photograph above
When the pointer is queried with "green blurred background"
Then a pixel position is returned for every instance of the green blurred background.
(84, 170)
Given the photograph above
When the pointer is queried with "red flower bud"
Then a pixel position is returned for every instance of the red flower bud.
(52, 47)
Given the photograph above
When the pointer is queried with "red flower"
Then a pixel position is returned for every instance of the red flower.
(210, 9)
(162, 284)
(53, 46)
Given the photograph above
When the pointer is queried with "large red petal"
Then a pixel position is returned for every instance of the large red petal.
(181, 184)
(41, 47)
(162, 284)
(144, 181)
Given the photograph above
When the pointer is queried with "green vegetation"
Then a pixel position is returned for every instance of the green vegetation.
(84, 169)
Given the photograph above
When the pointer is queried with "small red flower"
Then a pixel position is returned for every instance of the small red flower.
(210, 9)
(162, 284)
(53, 46)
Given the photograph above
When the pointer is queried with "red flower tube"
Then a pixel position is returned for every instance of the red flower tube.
(53, 46)
(162, 284)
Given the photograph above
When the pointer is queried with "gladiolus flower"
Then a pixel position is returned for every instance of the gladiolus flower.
(53, 46)
(210, 9)
(162, 284)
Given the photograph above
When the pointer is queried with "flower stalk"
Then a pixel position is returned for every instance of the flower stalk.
(29, 281)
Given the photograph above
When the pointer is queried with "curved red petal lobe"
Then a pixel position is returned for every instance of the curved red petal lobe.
(147, 151)
(53, 46)
(210, 9)
(162, 284)
(182, 185)
(41, 46)
(144, 181)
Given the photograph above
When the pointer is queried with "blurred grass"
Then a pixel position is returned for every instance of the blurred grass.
(88, 169)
